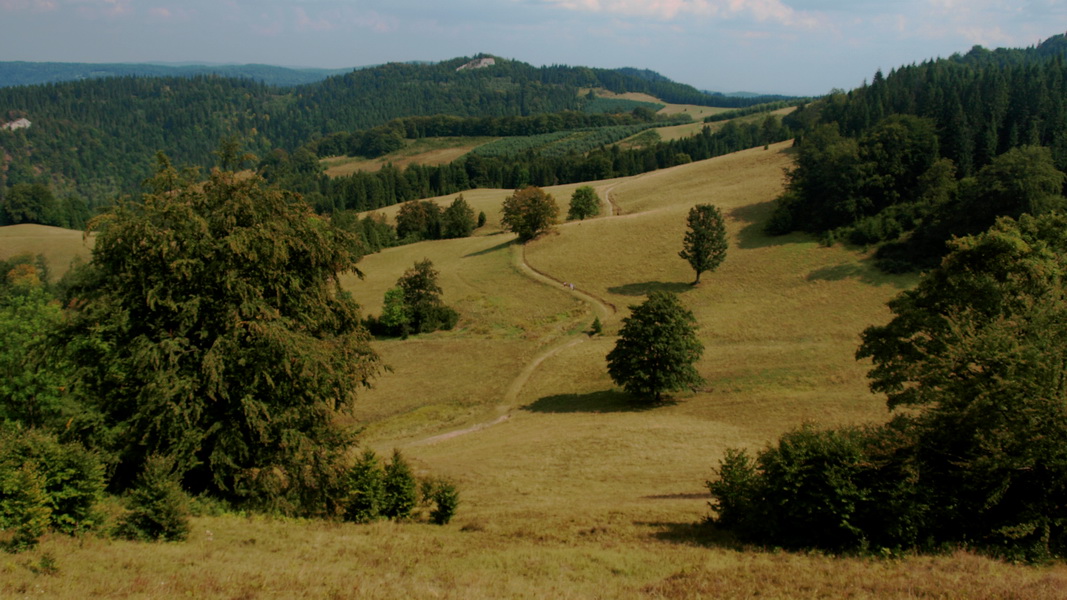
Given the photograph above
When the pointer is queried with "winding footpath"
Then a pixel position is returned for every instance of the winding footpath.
(603, 310)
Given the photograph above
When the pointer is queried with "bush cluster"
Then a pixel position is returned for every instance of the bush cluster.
(45, 485)
(391, 491)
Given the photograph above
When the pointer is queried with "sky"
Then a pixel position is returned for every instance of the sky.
(796, 47)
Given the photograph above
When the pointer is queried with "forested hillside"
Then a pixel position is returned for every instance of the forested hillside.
(933, 150)
(14, 73)
(94, 139)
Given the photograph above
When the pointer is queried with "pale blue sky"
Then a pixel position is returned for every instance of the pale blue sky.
(780, 46)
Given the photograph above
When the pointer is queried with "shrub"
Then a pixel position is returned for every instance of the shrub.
(838, 490)
(399, 495)
(46, 484)
(24, 510)
(159, 509)
(443, 497)
(365, 489)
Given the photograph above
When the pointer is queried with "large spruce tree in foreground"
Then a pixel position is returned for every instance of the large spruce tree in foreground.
(656, 349)
(212, 330)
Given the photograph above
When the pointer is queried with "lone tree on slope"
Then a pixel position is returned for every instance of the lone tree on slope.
(584, 203)
(657, 348)
(529, 212)
(705, 241)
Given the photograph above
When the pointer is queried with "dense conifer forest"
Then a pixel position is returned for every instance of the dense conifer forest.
(919, 155)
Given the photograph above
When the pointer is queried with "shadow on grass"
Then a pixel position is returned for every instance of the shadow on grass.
(701, 533)
(863, 271)
(606, 401)
(756, 216)
(495, 248)
(646, 288)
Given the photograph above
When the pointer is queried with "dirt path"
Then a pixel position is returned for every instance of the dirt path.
(603, 310)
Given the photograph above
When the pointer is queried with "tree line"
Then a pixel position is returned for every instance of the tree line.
(919, 155)
(92, 139)
(391, 185)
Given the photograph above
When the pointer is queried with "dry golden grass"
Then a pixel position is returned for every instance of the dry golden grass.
(59, 246)
(426, 151)
(580, 492)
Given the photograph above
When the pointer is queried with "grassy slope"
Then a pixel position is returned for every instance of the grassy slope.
(59, 246)
(580, 493)
(426, 151)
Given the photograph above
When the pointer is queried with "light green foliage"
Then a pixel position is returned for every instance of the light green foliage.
(30, 389)
(396, 314)
(529, 212)
(458, 219)
(584, 203)
(399, 494)
(657, 348)
(46, 485)
(24, 509)
(705, 244)
(212, 329)
(159, 509)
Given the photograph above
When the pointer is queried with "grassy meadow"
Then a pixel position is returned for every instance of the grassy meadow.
(58, 246)
(570, 489)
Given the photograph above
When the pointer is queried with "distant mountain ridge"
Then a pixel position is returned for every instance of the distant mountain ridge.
(14, 73)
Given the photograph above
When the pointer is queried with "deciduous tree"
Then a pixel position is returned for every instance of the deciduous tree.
(212, 330)
(584, 203)
(705, 240)
(529, 212)
(657, 348)
(458, 219)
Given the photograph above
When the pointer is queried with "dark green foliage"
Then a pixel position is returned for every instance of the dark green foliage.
(874, 170)
(458, 219)
(365, 490)
(481, 218)
(399, 490)
(443, 498)
(597, 327)
(158, 508)
(656, 349)
(212, 329)
(704, 246)
(373, 229)
(418, 220)
(45, 484)
(840, 490)
(584, 203)
(976, 354)
(117, 123)
(422, 296)
(529, 212)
